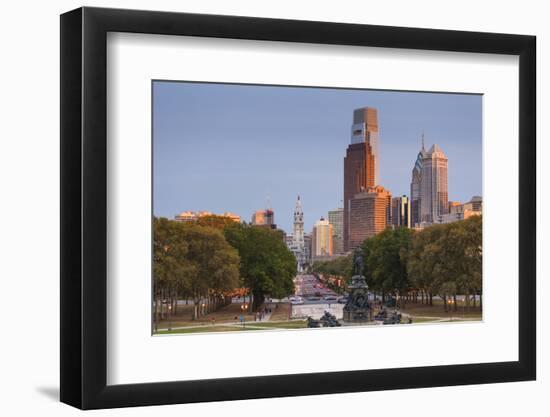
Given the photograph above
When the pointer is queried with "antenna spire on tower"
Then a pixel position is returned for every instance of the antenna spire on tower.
(422, 139)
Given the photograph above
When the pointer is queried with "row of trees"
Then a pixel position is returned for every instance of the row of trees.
(447, 260)
(443, 260)
(215, 258)
(191, 261)
(338, 271)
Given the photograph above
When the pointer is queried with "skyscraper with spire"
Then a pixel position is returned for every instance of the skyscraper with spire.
(434, 192)
(361, 163)
(429, 185)
(415, 186)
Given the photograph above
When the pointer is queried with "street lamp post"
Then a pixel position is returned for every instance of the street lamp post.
(450, 303)
(169, 317)
(244, 307)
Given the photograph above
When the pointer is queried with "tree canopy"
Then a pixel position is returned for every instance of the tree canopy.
(339, 267)
(447, 259)
(192, 261)
(267, 266)
(444, 259)
(385, 266)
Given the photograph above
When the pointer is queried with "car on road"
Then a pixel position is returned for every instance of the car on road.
(329, 298)
(342, 300)
(316, 298)
(296, 300)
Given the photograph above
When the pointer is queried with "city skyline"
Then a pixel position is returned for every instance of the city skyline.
(296, 154)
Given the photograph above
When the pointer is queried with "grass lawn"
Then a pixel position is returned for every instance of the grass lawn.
(426, 320)
(281, 313)
(206, 329)
(437, 310)
(225, 314)
(267, 325)
(289, 324)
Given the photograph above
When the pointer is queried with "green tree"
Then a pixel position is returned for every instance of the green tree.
(267, 266)
(447, 259)
(172, 269)
(214, 221)
(386, 264)
(421, 260)
(339, 268)
(192, 260)
(217, 263)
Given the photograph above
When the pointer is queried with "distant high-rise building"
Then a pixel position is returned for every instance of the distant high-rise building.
(455, 206)
(474, 207)
(370, 213)
(361, 163)
(321, 239)
(191, 216)
(475, 204)
(265, 218)
(434, 196)
(336, 219)
(401, 211)
(307, 248)
(234, 217)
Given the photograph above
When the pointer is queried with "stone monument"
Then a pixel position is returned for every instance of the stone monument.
(357, 308)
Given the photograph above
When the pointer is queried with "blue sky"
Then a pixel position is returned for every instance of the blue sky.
(220, 147)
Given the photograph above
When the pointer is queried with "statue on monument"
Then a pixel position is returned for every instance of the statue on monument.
(357, 308)
(358, 264)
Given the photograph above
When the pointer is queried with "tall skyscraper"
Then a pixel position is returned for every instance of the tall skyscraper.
(321, 239)
(336, 219)
(361, 163)
(401, 211)
(415, 186)
(434, 195)
(370, 213)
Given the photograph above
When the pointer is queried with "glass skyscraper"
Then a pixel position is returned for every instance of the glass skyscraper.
(361, 163)
(434, 192)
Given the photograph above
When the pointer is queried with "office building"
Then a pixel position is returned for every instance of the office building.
(308, 249)
(474, 207)
(370, 213)
(401, 212)
(191, 216)
(361, 163)
(475, 204)
(264, 218)
(434, 196)
(336, 219)
(415, 186)
(454, 206)
(321, 239)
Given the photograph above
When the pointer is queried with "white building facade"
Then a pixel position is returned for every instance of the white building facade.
(297, 244)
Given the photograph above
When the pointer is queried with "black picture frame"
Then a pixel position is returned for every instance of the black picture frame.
(84, 207)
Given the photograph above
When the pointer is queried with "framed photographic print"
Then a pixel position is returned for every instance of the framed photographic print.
(257, 208)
